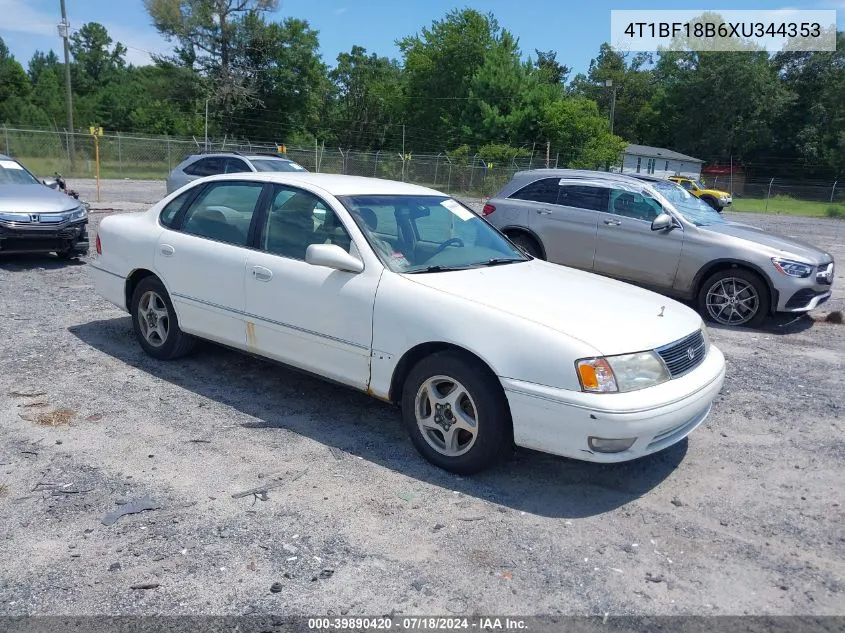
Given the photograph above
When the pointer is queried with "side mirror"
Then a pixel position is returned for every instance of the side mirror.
(332, 256)
(662, 222)
(51, 182)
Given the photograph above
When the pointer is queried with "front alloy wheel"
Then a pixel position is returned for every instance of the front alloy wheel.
(734, 298)
(456, 412)
(446, 416)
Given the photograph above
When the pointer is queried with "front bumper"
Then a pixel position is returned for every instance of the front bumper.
(560, 421)
(44, 238)
(802, 295)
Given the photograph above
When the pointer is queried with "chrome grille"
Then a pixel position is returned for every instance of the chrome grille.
(683, 356)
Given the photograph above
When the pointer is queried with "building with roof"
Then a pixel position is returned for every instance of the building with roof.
(643, 159)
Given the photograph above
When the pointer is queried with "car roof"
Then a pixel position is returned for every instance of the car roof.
(522, 178)
(334, 184)
(250, 156)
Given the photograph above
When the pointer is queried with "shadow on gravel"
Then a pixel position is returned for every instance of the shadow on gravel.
(345, 419)
(781, 323)
(23, 261)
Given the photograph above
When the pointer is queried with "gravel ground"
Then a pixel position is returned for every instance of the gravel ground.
(745, 517)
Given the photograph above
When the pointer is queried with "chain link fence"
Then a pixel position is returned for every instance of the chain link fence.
(153, 157)
(45, 152)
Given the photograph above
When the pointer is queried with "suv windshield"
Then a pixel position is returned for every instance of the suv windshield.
(418, 233)
(13, 173)
(270, 164)
(693, 209)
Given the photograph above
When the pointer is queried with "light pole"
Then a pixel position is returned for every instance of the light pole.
(609, 83)
(63, 32)
(206, 124)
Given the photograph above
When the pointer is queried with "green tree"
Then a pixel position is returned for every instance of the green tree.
(207, 33)
(439, 66)
(368, 99)
(580, 133)
(97, 58)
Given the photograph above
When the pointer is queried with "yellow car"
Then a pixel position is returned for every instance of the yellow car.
(715, 198)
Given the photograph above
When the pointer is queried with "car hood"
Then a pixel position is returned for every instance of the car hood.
(610, 316)
(34, 199)
(714, 192)
(778, 245)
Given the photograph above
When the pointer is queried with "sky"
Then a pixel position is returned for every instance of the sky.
(574, 29)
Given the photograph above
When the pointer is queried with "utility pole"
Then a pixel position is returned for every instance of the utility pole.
(63, 33)
(206, 125)
(609, 84)
(548, 150)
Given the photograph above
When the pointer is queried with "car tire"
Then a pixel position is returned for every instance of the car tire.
(741, 284)
(714, 204)
(479, 435)
(155, 322)
(528, 244)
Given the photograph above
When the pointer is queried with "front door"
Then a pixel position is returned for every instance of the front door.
(312, 317)
(627, 248)
(202, 257)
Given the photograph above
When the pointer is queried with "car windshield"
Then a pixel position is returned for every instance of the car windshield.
(271, 164)
(693, 209)
(420, 233)
(13, 173)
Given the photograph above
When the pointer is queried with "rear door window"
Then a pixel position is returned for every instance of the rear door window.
(544, 191)
(205, 167)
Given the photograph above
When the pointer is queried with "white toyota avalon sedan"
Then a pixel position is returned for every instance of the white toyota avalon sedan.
(405, 293)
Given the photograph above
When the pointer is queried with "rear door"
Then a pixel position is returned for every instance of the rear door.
(628, 249)
(563, 216)
(202, 260)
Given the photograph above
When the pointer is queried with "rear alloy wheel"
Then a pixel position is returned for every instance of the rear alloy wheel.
(528, 244)
(734, 297)
(155, 324)
(456, 413)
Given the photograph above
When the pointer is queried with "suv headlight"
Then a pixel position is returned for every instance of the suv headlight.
(618, 374)
(792, 268)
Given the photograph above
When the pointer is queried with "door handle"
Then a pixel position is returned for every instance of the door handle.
(612, 222)
(261, 273)
(544, 212)
(167, 250)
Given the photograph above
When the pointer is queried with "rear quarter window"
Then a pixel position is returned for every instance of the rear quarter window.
(172, 208)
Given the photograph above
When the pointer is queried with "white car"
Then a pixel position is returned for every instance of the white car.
(404, 293)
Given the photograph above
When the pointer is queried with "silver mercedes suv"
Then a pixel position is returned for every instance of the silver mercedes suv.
(653, 233)
(213, 163)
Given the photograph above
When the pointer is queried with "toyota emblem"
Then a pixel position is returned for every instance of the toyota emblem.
(691, 353)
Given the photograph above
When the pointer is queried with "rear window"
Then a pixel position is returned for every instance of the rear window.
(545, 191)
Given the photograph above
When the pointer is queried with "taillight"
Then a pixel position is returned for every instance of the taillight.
(488, 209)
(99, 247)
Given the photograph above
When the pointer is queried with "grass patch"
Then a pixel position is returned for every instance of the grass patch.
(789, 206)
(59, 417)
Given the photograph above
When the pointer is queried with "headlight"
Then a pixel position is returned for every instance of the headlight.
(77, 214)
(618, 374)
(14, 217)
(792, 268)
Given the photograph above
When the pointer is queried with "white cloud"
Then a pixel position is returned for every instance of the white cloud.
(140, 43)
(340, 11)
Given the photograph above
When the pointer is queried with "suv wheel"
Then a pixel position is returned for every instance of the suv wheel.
(734, 297)
(528, 244)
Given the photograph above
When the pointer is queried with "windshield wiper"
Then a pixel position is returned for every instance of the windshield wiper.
(435, 269)
(502, 260)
